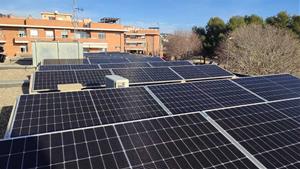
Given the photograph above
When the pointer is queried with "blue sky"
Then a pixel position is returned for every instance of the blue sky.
(169, 15)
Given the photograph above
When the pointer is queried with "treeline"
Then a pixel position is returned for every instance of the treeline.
(216, 29)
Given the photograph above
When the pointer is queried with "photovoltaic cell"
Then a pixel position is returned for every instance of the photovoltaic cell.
(134, 75)
(115, 60)
(183, 98)
(270, 90)
(270, 135)
(41, 113)
(64, 61)
(170, 63)
(187, 141)
(92, 78)
(288, 81)
(161, 74)
(124, 65)
(227, 93)
(49, 80)
(144, 59)
(201, 72)
(54, 67)
(79, 67)
(116, 105)
(89, 148)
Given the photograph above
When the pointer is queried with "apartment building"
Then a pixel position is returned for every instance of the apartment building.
(16, 34)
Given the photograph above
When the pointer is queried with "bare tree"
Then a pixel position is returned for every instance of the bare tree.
(258, 49)
(183, 44)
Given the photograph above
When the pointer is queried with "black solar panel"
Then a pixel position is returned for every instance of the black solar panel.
(114, 60)
(92, 78)
(182, 98)
(134, 75)
(124, 65)
(65, 61)
(190, 97)
(288, 81)
(290, 108)
(89, 148)
(187, 141)
(227, 93)
(201, 72)
(170, 63)
(53, 112)
(54, 67)
(67, 67)
(144, 59)
(271, 136)
(115, 105)
(49, 80)
(161, 74)
(270, 90)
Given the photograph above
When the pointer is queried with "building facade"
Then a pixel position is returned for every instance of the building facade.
(16, 35)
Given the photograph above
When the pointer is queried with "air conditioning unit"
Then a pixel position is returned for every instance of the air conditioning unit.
(115, 81)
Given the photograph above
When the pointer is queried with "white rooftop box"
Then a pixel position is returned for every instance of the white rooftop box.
(115, 81)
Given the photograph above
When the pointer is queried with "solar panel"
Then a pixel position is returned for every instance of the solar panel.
(67, 67)
(124, 65)
(88, 148)
(64, 61)
(49, 80)
(227, 93)
(290, 108)
(134, 75)
(161, 74)
(54, 67)
(170, 63)
(115, 60)
(288, 81)
(201, 72)
(116, 105)
(92, 78)
(268, 134)
(53, 112)
(144, 59)
(187, 141)
(183, 98)
(270, 90)
(190, 97)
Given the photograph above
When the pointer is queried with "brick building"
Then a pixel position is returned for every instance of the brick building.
(16, 34)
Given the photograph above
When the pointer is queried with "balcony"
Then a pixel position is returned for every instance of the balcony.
(22, 39)
(135, 40)
(135, 47)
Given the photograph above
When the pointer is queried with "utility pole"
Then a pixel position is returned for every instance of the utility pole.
(75, 18)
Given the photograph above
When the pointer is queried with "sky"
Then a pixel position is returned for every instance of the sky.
(169, 15)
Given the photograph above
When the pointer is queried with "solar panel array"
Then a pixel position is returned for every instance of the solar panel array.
(271, 135)
(208, 124)
(272, 87)
(111, 65)
(48, 80)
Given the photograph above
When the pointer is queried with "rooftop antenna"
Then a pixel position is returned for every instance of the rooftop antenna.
(75, 18)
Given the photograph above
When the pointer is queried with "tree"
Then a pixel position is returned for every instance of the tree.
(295, 24)
(183, 44)
(215, 32)
(254, 19)
(235, 22)
(257, 49)
(282, 20)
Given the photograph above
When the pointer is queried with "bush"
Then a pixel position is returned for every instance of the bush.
(258, 49)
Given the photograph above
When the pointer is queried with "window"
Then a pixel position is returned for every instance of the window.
(64, 34)
(34, 33)
(51, 18)
(82, 34)
(23, 49)
(101, 35)
(49, 34)
(22, 33)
